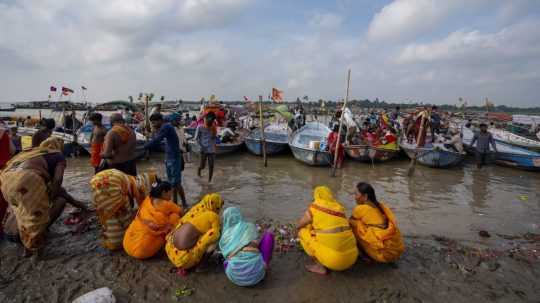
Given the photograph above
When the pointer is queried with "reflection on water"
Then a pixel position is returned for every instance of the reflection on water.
(453, 202)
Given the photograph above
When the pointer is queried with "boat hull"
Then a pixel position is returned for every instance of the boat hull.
(436, 158)
(365, 153)
(311, 157)
(254, 146)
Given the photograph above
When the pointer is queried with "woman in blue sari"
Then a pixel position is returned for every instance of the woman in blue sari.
(246, 258)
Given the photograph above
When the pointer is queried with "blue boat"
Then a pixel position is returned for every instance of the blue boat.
(507, 154)
(276, 139)
(432, 155)
(305, 144)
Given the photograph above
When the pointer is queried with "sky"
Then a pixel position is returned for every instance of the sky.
(431, 51)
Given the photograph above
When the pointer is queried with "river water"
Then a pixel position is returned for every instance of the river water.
(455, 202)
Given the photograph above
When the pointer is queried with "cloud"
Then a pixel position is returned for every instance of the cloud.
(474, 47)
(325, 21)
(403, 19)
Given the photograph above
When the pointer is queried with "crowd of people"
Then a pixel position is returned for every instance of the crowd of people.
(139, 213)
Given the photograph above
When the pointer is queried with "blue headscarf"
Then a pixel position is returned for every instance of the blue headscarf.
(244, 268)
(236, 232)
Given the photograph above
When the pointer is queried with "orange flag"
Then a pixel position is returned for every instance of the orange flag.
(277, 95)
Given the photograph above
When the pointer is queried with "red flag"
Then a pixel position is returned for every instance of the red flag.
(277, 95)
(53, 88)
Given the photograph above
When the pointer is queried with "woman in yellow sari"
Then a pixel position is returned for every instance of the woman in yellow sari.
(113, 192)
(156, 217)
(325, 234)
(196, 234)
(375, 227)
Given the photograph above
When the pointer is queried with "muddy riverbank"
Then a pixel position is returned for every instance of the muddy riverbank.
(440, 213)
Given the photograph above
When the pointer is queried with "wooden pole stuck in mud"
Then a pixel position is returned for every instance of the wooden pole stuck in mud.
(338, 141)
(263, 141)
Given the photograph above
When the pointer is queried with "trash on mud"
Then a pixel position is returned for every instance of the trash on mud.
(284, 234)
(100, 295)
(183, 291)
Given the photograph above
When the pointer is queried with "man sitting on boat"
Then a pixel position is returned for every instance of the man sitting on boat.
(455, 142)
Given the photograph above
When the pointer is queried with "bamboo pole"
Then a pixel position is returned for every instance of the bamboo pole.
(263, 141)
(338, 141)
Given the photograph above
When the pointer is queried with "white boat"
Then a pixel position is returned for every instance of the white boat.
(306, 142)
(513, 139)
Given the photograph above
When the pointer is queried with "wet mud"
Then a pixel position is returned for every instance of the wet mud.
(442, 214)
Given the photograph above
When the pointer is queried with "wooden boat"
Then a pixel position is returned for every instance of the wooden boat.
(432, 155)
(224, 148)
(7, 108)
(69, 143)
(305, 143)
(510, 138)
(507, 154)
(276, 137)
(367, 153)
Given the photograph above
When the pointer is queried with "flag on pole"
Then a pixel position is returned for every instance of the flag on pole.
(53, 88)
(277, 95)
(489, 104)
(66, 91)
(83, 87)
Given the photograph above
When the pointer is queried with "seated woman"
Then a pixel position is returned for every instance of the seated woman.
(374, 226)
(113, 192)
(31, 184)
(156, 217)
(246, 258)
(196, 233)
(325, 234)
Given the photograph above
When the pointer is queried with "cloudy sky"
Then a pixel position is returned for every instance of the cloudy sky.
(426, 50)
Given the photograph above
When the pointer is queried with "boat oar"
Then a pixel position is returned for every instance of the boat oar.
(263, 141)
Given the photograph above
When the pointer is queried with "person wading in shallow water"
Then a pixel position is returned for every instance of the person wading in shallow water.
(205, 135)
(32, 186)
(483, 139)
(174, 162)
(119, 147)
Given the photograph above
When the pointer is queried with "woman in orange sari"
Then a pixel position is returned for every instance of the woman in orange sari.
(375, 227)
(156, 217)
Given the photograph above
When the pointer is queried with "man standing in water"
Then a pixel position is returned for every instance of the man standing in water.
(96, 140)
(484, 139)
(173, 161)
(119, 147)
(205, 135)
